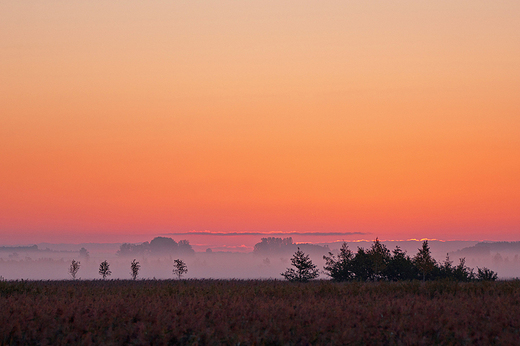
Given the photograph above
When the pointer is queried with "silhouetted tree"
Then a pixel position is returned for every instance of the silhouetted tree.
(339, 268)
(272, 245)
(400, 267)
(73, 269)
(179, 268)
(362, 266)
(127, 249)
(380, 257)
(446, 269)
(305, 269)
(462, 272)
(424, 260)
(160, 245)
(104, 269)
(134, 267)
(185, 247)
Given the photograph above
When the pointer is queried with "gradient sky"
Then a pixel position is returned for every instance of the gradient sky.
(120, 121)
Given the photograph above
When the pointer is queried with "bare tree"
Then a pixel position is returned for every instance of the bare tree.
(179, 268)
(134, 266)
(73, 269)
(104, 269)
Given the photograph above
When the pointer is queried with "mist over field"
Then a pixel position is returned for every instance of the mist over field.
(47, 261)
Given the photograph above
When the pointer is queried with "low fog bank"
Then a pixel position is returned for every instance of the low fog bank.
(217, 265)
(501, 257)
(270, 257)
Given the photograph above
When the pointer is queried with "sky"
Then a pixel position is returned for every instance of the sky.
(121, 121)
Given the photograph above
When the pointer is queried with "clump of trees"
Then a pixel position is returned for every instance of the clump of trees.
(158, 246)
(378, 263)
(272, 244)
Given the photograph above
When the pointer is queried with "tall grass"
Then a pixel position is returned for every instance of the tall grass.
(211, 312)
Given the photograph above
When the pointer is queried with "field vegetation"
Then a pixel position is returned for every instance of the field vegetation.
(255, 312)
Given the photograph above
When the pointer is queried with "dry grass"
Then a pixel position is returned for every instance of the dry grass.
(210, 312)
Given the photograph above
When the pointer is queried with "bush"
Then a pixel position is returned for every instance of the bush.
(486, 274)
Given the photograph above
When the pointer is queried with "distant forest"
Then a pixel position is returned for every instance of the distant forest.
(19, 248)
(485, 248)
(158, 246)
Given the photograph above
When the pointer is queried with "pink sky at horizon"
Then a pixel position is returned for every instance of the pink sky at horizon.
(122, 122)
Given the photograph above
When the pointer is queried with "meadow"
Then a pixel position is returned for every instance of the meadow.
(258, 312)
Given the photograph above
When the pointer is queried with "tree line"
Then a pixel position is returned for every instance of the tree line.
(378, 263)
(179, 269)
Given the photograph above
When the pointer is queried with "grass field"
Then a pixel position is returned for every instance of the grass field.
(232, 312)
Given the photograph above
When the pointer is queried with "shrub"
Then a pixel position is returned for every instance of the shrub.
(486, 274)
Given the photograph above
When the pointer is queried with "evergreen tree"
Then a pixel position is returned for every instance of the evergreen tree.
(339, 268)
(362, 267)
(380, 257)
(424, 260)
(400, 266)
(305, 269)
(463, 272)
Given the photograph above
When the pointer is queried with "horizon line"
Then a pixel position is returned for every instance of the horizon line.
(264, 233)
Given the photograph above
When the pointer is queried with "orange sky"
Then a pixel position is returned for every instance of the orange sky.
(122, 121)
